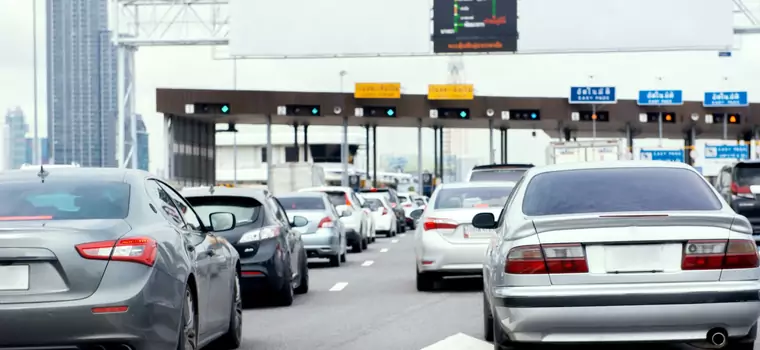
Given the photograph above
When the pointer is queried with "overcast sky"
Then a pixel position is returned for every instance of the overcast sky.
(518, 75)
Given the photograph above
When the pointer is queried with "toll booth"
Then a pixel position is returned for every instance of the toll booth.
(427, 184)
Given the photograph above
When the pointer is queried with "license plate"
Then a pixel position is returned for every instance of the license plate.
(14, 277)
(634, 258)
(473, 232)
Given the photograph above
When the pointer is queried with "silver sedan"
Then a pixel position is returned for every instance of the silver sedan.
(619, 252)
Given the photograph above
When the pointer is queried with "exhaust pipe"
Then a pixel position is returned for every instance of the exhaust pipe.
(717, 337)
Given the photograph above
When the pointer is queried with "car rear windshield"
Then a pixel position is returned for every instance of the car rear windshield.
(373, 203)
(512, 175)
(617, 190)
(246, 209)
(77, 200)
(472, 197)
(337, 198)
(747, 174)
(302, 203)
(403, 199)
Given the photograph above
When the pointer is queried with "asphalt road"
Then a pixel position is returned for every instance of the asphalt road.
(371, 303)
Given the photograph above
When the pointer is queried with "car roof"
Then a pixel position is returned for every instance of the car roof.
(615, 164)
(101, 174)
(255, 193)
(477, 184)
(327, 188)
(302, 195)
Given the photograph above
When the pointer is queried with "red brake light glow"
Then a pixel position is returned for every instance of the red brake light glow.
(385, 211)
(719, 254)
(326, 222)
(393, 205)
(439, 224)
(109, 309)
(141, 250)
(546, 258)
(25, 218)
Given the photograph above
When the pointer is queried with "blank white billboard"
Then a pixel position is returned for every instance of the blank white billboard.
(624, 25)
(329, 27)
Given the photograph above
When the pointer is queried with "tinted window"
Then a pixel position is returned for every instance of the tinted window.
(419, 201)
(511, 175)
(373, 203)
(403, 199)
(337, 198)
(747, 174)
(472, 197)
(188, 214)
(302, 203)
(246, 209)
(617, 190)
(64, 200)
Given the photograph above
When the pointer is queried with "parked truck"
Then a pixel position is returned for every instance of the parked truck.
(291, 177)
(560, 152)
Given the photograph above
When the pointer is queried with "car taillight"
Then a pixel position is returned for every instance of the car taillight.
(326, 222)
(408, 205)
(393, 205)
(259, 234)
(348, 200)
(719, 254)
(385, 211)
(741, 191)
(439, 224)
(546, 258)
(141, 250)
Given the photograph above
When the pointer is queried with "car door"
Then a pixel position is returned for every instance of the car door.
(356, 206)
(282, 219)
(295, 239)
(724, 183)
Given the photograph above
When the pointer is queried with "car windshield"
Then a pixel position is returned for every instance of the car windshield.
(246, 210)
(512, 175)
(76, 200)
(472, 197)
(302, 203)
(617, 190)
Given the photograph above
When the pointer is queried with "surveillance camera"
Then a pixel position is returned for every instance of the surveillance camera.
(490, 112)
(337, 110)
(695, 116)
(533, 133)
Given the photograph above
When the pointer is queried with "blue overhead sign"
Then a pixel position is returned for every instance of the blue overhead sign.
(726, 99)
(673, 155)
(726, 152)
(660, 97)
(592, 94)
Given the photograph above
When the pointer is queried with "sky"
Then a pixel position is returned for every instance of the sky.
(498, 75)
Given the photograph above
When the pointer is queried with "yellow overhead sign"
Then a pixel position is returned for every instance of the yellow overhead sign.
(377, 90)
(451, 92)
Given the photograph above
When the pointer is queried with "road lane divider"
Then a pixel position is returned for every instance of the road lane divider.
(384, 250)
(394, 241)
(338, 286)
(367, 263)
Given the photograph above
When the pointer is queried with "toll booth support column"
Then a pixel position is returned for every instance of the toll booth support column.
(440, 152)
(295, 142)
(374, 156)
(269, 152)
(169, 154)
(344, 154)
(629, 139)
(366, 147)
(435, 151)
(688, 145)
(504, 148)
(757, 142)
(491, 152)
(419, 155)
(306, 143)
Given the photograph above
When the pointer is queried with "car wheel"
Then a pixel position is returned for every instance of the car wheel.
(188, 335)
(336, 260)
(303, 286)
(425, 281)
(500, 340)
(357, 247)
(343, 257)
(487, 319)
(234, 336)
(285, 294)
(365, 243)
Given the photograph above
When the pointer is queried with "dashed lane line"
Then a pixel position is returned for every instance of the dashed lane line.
(384, 250)
(367, 263)
(338, 286)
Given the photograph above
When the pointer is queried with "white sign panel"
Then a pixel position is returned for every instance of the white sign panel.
(329, 27)
(624, 25)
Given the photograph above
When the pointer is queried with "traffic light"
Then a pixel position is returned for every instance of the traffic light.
(454, 113)
(304, 110)
(525, 114)
(730, 118)
(386, 112)
(212, 108)
(667, 117)
(590, 116)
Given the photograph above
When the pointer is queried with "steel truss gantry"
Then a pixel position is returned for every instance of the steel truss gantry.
(137, 23)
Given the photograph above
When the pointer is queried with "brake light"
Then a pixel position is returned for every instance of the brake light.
(393, 205)
(385, 211)
(408, 205)
(348, 200)
(547, 258)
(439, 224)
(373, 189)
(141, 250)
(326, 222)
(719, 254)
(741, 191)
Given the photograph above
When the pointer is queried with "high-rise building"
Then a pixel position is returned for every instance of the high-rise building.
(16, 142)
(43, 150)
(143, 150)
(81, 81)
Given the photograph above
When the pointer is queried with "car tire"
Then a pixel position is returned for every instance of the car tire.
(357, 247)
(500, 339)
(303, 285)
(285, 294)
(188, 333)
(335, 260)
(234, 336)
(343, 257)
(487, 319)
(425, 281)
(365, 243)
(401, 227)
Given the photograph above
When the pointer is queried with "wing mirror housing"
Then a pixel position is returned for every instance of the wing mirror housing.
(299, 221)
(222, 221)
(484, 221)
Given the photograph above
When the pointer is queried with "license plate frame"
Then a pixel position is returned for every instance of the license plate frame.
(634, 258)
(14, 278)
(471, 232)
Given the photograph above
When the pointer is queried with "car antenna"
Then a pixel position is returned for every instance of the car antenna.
(43, 173)
(211, 189)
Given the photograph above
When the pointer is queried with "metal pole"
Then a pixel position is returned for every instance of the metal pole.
(366, 146)
(419, 156)
(234, 157)
(36, 153)
(435, 151)
(374, 156)
(593, 125)
(344, 154)
(693, 134)
(121, 120)
(169, 137)
(269, 152)
(659, 128)
(440, 154)
(491, 152)
(629, 139)
(725, 126)
(130, 67)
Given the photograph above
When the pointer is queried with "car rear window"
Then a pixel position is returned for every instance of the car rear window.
(302, 203)
(373, 202)
(77, 200)
(512, 175)
(246, 209)
(617, 190)
(747, 174)
(472, 197)
(337, 198)
(403, 199)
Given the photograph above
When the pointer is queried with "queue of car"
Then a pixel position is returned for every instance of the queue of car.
(615, 252)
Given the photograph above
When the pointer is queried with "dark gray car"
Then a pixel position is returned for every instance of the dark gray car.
(112, 259)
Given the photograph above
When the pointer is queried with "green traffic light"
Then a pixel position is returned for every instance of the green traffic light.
(390, 112)
(463, 114)
(225, 109)
(314, 111)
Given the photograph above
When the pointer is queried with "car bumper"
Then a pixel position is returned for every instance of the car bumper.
(435, 254)
(265, 270)
(151, 322)
(324, 243)
(626, 313)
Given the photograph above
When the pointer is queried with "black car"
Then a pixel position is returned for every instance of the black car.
(736, 183)
(392, 197)
(272, 254)
(498, 172)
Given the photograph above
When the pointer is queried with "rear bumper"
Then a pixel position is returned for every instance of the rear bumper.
(625, 313)
(150, 322)
(264, 271)
(435, 254)
(322, 244)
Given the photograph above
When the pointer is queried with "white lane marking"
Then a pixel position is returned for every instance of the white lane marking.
(383, 250)
(460, 341)
(368, 263)
(402, 235)
(394, 241)
(338, 286)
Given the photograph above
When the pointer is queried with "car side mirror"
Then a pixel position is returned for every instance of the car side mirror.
(299, 221)
(416, 214)
(484, 221)
(222, 221)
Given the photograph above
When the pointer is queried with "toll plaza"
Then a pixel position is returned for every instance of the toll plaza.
(588, 112)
